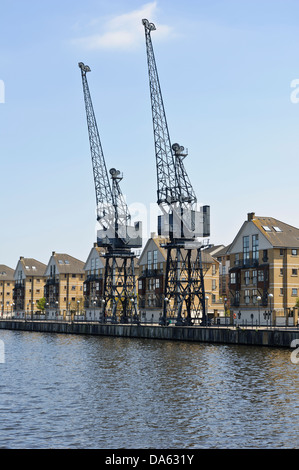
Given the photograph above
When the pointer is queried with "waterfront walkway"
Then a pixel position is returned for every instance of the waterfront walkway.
(215, 334)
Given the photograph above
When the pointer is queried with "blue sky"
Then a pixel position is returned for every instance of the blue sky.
(226, 69)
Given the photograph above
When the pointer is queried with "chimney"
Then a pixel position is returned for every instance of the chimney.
(250, 216)
(53, 253)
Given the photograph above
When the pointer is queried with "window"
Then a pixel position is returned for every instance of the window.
(149, 260)
(254, 277)
(233, 278)
(266, 228)
(295, 291)
(247, 278)
(246, 248)
(281, 251)
(139, 284)
(277, 229)
(213, 284)
(281, 291)
(155, 252)
(213, 269)
(237, 259)
(157, 283)
(294, 272)
(246, 296)
(294, 252)
(265, 256)
(260, 276)
(254, 296)
(73, 287)
(281, 272)
(255, 247)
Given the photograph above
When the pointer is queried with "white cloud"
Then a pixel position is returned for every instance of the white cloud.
(124, 31)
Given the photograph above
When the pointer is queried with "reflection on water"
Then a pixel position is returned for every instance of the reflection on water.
(60, 391)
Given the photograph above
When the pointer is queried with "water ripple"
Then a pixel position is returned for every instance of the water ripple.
(60, 391)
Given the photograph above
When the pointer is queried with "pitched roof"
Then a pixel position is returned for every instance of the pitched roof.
(277, 233)
(214, 249)
(32, 267)
(223, 251)
(68, 264)
(6, 273)
(206, 257)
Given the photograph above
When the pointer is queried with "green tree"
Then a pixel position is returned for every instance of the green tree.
(41, 304)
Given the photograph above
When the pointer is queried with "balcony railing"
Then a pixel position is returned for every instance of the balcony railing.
(247, 263)
(151, 272)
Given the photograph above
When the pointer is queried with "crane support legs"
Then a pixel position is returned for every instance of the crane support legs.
(120, 295)
(184, 292)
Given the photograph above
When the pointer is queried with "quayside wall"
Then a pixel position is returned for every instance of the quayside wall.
(222, 335)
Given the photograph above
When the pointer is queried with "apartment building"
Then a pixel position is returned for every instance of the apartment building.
(223, 258)
(151, 280)
(94, 283)
(29, 277)
(6, 289)
(63, 290)
(264, 269)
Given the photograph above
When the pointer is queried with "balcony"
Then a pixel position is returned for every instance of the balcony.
(51, 281)
(19, 284)
(151, 272)
(93, 277)
(247, 263)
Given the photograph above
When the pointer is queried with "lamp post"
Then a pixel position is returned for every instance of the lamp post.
(259, 299)
(102, 311)
(207, 310)
(270, 297)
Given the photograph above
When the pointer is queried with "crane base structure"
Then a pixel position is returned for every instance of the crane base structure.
(184, 291)
(120, 295)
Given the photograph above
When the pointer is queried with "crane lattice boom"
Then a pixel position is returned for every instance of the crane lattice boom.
(112, 210)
